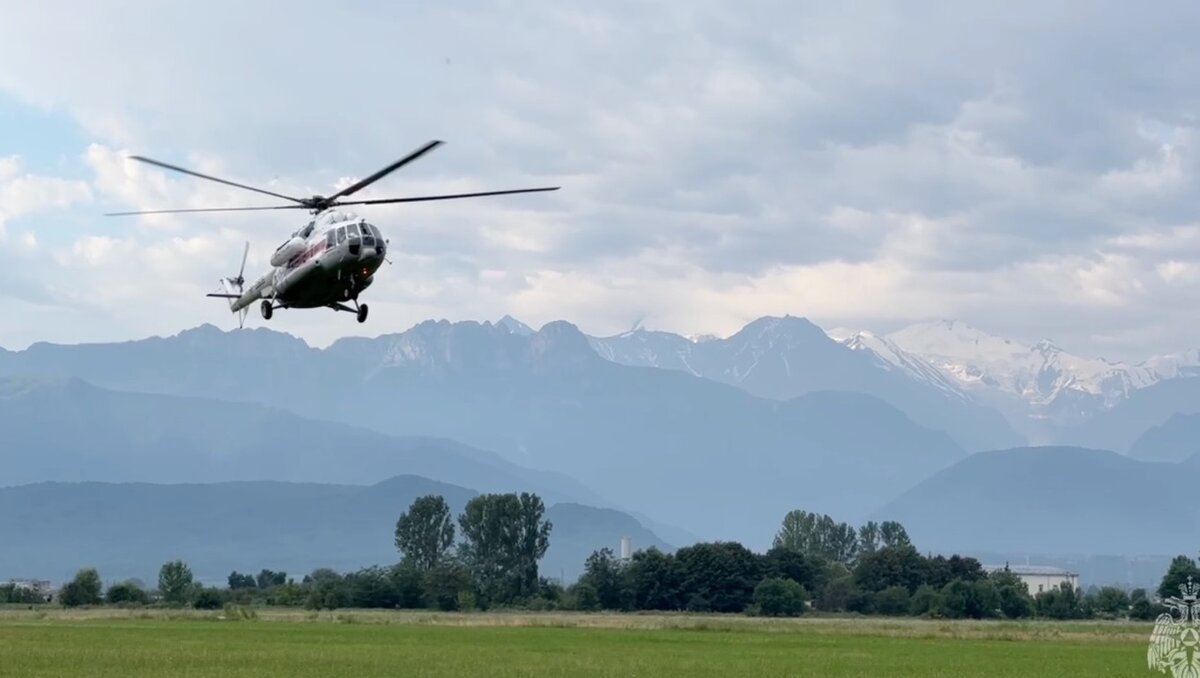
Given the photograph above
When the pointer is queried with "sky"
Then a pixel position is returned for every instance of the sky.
(1027, 167)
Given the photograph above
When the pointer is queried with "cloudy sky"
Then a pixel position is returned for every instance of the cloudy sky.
(1028, 167)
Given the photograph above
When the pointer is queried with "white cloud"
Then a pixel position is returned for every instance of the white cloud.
(863, 166)
(23, 194)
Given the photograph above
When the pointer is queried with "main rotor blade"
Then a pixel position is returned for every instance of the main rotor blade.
(448, 196)
(219, 181)
(354, 188)
(210, 209)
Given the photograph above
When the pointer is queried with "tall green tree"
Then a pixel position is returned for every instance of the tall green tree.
(1112, 600)
(892, 533)
(270, 578)
(175, 582)
(1180, 570)
(818, 535)
(606, 574)
(241, 581)
(425, 532)
(868, 537)
(890, 566)
(655, 580)
(722, 574)
(504, 535)
(84, 589)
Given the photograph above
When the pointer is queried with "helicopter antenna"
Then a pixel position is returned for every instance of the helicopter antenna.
(318, 203)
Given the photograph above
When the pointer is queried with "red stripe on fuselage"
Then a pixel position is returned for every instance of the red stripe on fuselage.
(307, 254)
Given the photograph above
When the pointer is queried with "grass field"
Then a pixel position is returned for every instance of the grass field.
(294, 643)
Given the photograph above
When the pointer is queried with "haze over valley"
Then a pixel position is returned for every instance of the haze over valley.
(673, 439)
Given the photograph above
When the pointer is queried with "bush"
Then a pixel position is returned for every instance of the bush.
(776, 597)
(698, 603)
(1015, 603)
(893, 600)
(208, 599)
(126, 593)
(925, 601)
(585, 596)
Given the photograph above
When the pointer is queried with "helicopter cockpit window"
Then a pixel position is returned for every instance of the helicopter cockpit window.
(353, 230)
(341, 234)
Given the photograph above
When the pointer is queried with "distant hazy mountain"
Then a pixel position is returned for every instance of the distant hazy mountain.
(1119, 428)
(1173, 365)
(129, 530)
(705, 456)
(1042, 381)
(68, 430)
(1057, 500)
(1176, 439)
(786, 357)
(888, 353)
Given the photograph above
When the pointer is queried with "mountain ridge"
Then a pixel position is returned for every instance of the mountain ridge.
(1097, 501)
(129, 529)
(651, 441)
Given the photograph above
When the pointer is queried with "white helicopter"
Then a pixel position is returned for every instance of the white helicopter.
(327, 262)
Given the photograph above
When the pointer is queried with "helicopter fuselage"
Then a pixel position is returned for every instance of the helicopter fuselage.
(329, 261)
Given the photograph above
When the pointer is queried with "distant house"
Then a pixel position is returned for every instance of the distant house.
(41, 587)
(1039, 578)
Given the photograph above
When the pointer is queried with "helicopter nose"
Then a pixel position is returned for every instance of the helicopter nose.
(380, 241)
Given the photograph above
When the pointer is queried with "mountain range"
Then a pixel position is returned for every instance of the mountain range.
(128, 529)
(659, 443)
(782, 358)
(1044, 390)
(688, 437)
(1059, 500)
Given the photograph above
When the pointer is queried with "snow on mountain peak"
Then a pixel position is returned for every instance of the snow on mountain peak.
(891, 357)
(1170, 366)
(1037, 374)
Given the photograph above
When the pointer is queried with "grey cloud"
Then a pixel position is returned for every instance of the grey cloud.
(701, 134)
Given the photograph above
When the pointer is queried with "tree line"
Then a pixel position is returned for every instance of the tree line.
(488, 557)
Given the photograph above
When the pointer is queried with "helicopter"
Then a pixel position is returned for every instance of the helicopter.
(326, 263)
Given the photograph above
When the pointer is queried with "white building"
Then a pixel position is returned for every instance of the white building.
(1039, 578)
(39, 586)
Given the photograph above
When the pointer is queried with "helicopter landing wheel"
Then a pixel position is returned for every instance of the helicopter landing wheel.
(267, 309)
(362, 313)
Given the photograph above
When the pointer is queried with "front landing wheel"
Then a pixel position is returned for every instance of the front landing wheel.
(362, 313)
(267, 310)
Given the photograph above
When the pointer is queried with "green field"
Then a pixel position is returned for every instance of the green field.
(289, 643)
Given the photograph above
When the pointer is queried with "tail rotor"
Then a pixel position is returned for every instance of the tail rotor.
(233, 288)
(240, 280)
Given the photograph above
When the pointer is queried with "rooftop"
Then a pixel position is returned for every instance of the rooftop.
(1031, 569)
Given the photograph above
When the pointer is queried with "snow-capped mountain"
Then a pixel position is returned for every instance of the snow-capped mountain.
(785, 357)
(1170, 366)
(1038, 374)
(890, 356)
